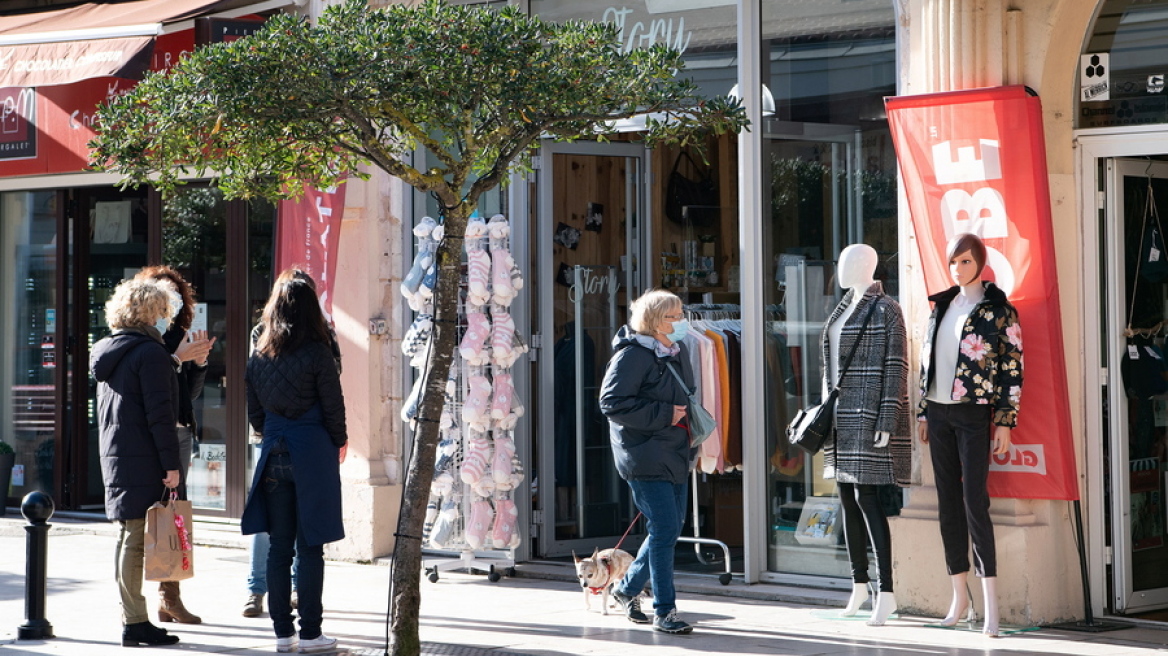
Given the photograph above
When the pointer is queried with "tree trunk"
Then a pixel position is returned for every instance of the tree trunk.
(405, 577)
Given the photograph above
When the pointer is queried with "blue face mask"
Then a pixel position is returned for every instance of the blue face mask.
(680, 330)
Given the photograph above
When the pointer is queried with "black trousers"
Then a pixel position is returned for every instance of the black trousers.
(959, 443)
(864, 523)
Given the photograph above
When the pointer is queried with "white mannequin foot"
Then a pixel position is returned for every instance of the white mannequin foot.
(885, 606)
(989, 587)
(960, 604)
(859, 596)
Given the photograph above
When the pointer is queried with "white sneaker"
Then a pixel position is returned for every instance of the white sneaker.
(321, 643)
(286, 645)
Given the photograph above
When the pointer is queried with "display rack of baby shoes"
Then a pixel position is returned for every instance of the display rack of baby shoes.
(471, 511)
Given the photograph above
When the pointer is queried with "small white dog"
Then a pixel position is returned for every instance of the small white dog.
(599, 572)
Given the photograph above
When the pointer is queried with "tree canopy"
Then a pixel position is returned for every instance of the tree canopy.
(299, 102)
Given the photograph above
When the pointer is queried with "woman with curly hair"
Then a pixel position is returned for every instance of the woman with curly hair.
(137, 394)
(189, 349)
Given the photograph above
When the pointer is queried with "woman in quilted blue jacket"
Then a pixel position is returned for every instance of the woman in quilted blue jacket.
(971, 384)
(294, 400)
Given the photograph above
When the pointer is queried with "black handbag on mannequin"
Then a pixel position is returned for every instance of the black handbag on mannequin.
(812, 425)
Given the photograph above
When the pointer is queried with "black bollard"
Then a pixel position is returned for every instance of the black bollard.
(37, 508)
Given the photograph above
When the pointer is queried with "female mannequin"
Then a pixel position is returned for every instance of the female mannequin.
(971, 379)
(872, 438)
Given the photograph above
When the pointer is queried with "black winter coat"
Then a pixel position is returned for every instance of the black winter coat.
(137, 394)
(190, 380)
(292, 383)
(637, 396)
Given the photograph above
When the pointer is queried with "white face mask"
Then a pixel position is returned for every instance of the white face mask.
(162, 324)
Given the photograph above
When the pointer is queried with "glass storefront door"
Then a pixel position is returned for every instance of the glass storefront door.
(812, 218)
(589, 238)
(1136, 446)
(30, 403)
(110, 229)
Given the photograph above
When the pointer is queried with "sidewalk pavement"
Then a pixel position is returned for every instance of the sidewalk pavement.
(540, 612)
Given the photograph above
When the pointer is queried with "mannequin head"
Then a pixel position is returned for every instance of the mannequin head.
(966, 255)
(857, 263)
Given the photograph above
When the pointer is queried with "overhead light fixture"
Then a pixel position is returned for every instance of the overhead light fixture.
(768, 99)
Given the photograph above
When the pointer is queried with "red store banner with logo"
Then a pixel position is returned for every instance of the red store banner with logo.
(975, 161)
(308, 233)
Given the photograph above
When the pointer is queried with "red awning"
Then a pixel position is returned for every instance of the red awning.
(93, 40)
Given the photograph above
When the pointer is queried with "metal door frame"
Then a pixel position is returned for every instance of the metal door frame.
(1095, 148)
(637, 238)
(1124, 597)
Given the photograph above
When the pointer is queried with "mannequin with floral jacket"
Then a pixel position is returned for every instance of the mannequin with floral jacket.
(971, 386)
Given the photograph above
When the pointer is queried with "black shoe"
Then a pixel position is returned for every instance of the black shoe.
(631, 606)
(145, 633)
(670, 624)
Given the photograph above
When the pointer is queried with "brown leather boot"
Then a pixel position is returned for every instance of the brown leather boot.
(170, 605)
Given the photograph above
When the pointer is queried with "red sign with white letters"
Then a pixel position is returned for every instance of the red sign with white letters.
(308, 234)
(975, 161)
(47, 129)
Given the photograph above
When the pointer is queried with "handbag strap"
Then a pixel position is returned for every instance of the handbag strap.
(679, 379)
(856, 344)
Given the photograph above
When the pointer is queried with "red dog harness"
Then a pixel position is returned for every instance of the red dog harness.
(608, 571)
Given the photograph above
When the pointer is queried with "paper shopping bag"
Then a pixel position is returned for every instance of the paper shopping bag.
(169, 553)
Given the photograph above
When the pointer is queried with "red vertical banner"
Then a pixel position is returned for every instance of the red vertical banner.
(308, 232)
(975, 161)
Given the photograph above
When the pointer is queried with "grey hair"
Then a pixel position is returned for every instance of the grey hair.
(650, 309)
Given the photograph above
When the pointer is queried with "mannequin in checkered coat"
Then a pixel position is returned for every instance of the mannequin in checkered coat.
(872, 442)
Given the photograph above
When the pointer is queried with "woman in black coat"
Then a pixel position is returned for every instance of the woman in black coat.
(137, 394)
(646, 405)
(189, 349)
(294, 401)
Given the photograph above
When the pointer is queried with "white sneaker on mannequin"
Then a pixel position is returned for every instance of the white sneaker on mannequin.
(859, 596)
(885, 606)
(989, 588)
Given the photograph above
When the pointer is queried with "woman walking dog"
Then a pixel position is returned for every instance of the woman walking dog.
(645, 406)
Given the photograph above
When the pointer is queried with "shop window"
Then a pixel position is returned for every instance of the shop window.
(28, 325)
(829, 181)
(1122, 67)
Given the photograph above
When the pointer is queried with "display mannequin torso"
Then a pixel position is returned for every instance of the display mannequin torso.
(857, 264)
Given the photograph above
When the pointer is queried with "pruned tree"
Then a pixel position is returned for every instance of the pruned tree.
(301, 103)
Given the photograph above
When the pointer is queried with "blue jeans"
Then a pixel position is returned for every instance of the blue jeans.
(663, 504)
(287, 541)
(257, 578)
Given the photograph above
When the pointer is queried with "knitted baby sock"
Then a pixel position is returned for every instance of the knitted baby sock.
(478, 272)
(478, 330)
(424, 260)
(444, 525)
(498, 229)
(478, 523)
(516, 474)
(501, 463)
(446, 448)
(505, 534)
(442, 485)
(475, 410)
(502, 399)
(418, 334)
(431, 515)
(484, 487)
(413, 402)
(478, 454)
(502, 338)
(501, 263)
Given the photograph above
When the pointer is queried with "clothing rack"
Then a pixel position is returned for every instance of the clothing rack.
(712, 312)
